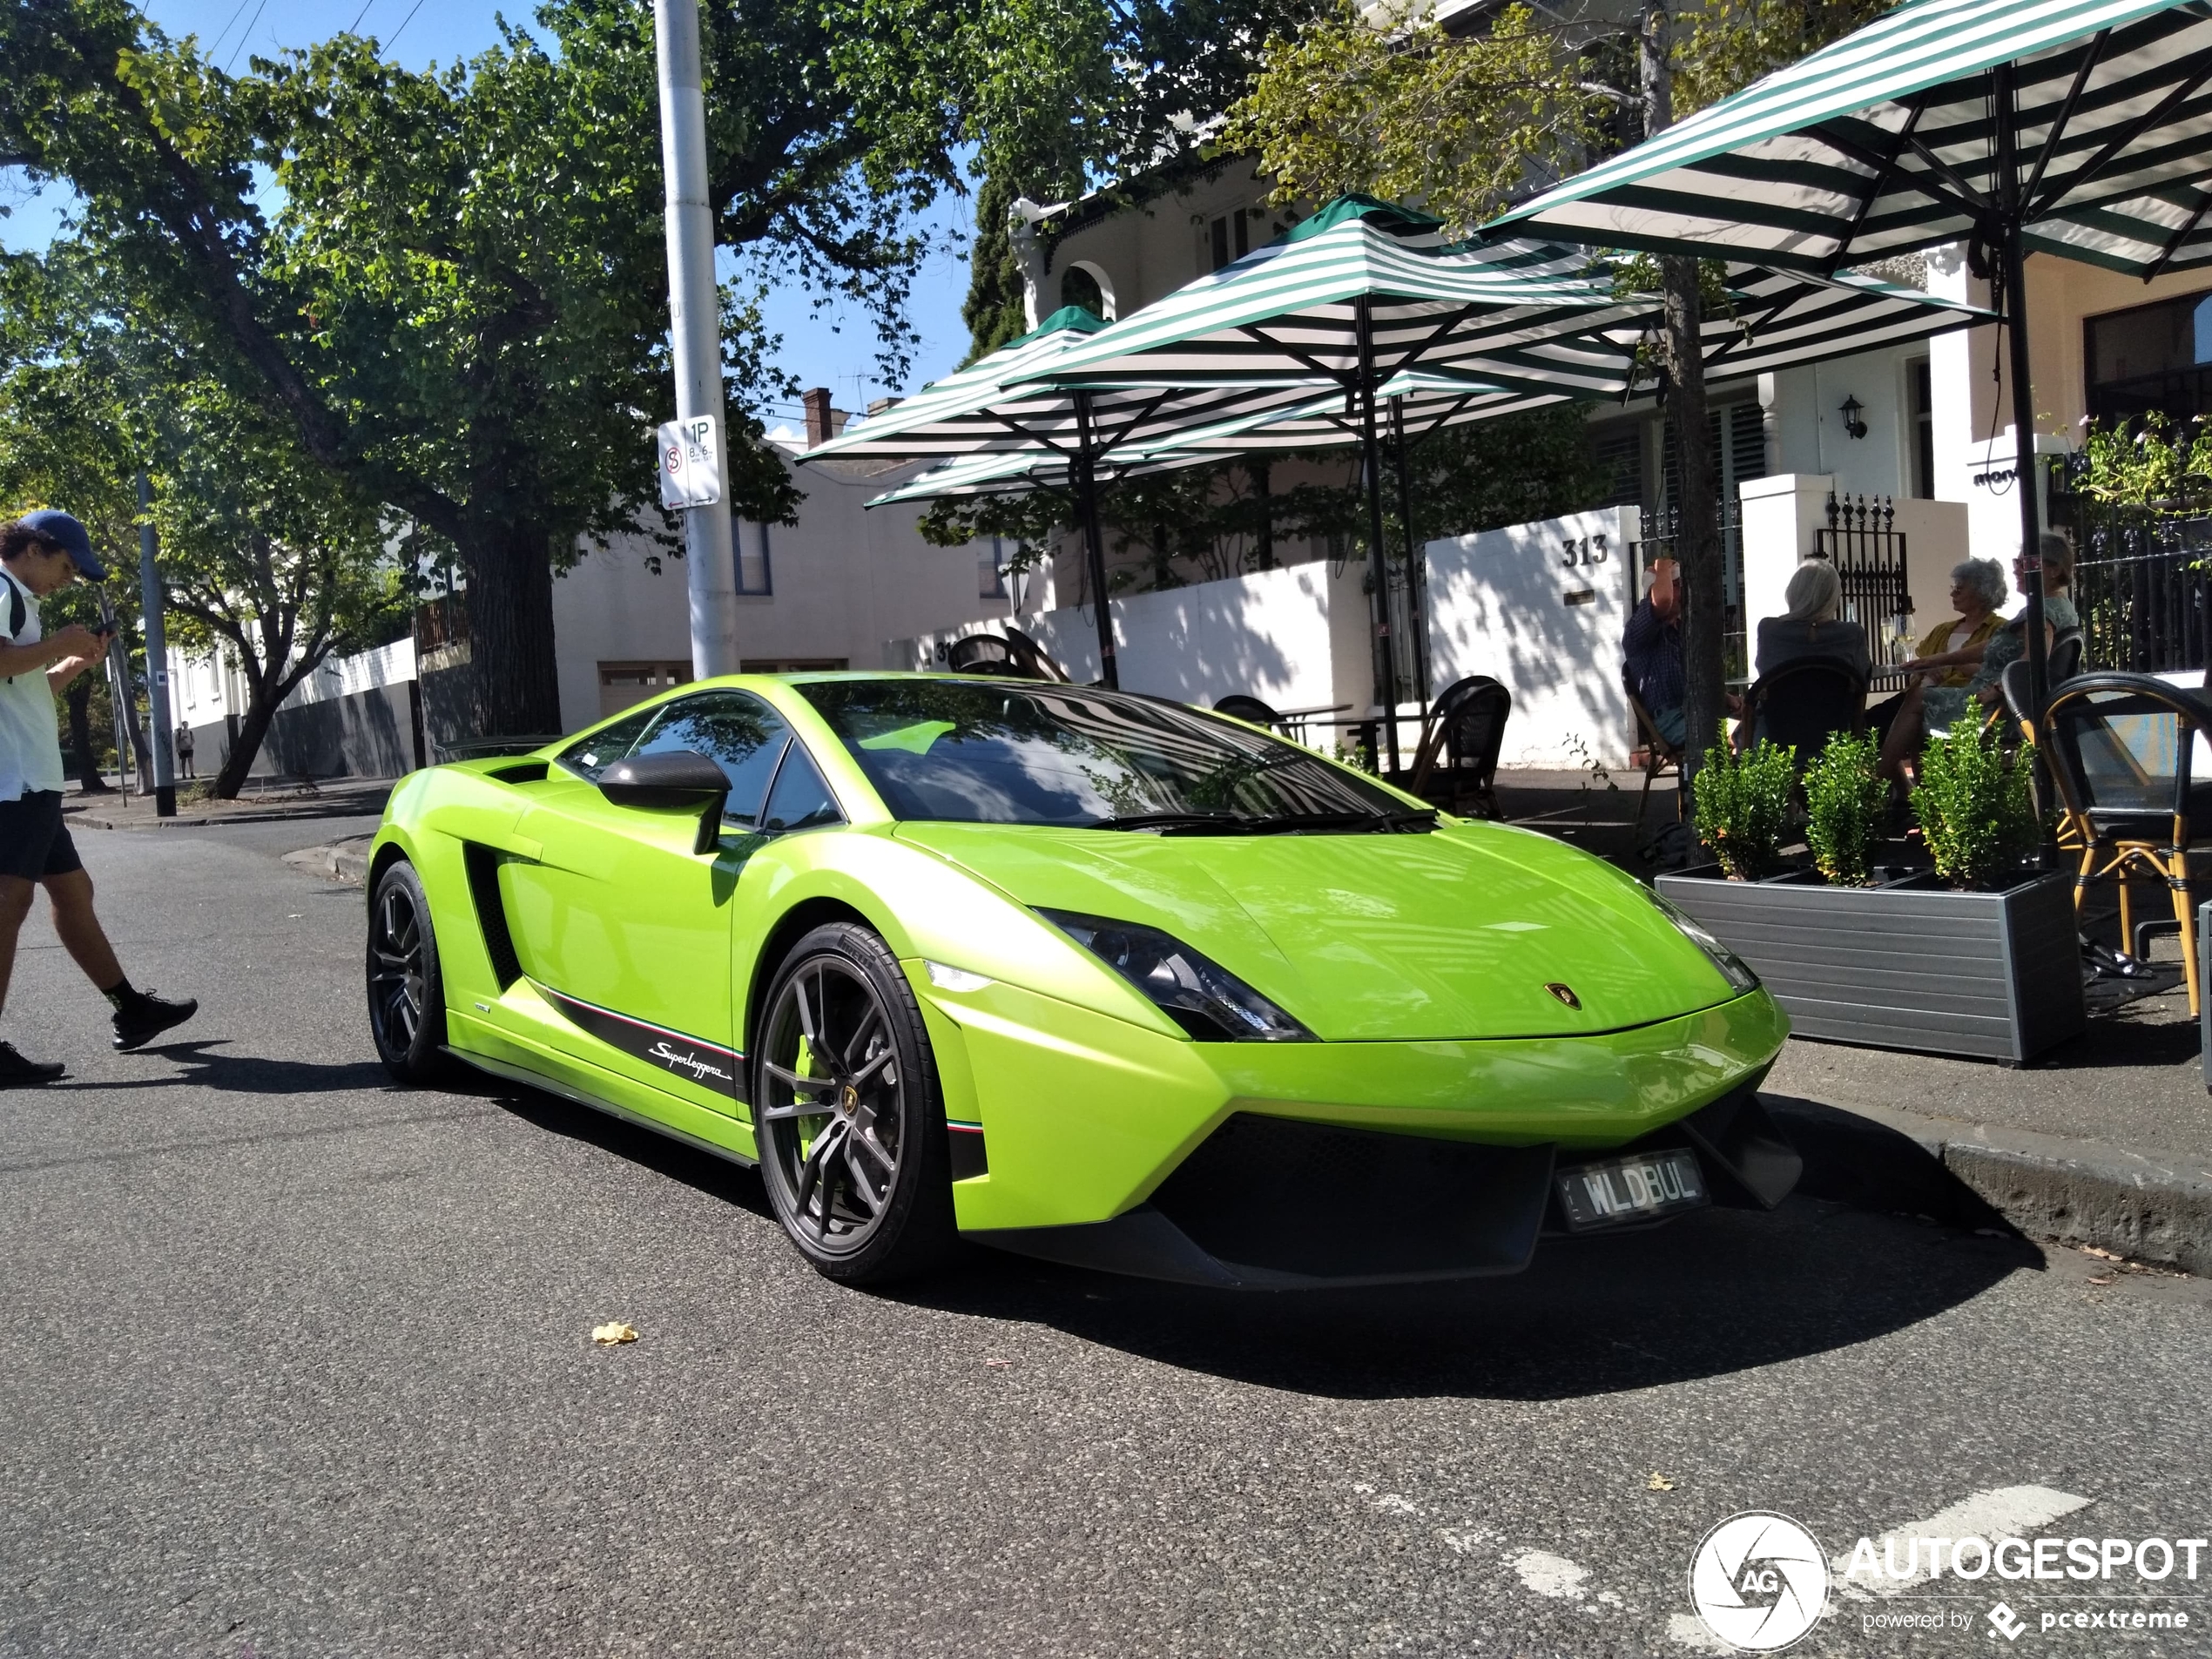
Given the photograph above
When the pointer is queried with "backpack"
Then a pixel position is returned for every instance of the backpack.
(18, 612)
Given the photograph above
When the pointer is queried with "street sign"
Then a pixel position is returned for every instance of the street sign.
(689, 456)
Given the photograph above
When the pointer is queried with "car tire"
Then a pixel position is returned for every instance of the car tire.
(406, 1009)
(848, 1114)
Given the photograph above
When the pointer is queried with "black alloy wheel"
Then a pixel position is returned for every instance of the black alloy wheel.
(407, 1012)
(848, 1114)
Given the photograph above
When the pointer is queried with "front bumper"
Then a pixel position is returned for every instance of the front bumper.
(1272, 1203)
(1077, 1117)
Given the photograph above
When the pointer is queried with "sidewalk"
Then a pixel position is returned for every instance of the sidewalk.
(2105, 1141)
(261, 802)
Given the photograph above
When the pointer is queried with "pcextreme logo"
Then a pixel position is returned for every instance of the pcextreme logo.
(1759, 1582)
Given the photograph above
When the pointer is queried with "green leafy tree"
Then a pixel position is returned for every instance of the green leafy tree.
(456, 303)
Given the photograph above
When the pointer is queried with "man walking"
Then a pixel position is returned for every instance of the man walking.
(40, 554)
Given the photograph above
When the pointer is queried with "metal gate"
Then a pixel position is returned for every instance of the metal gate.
(1861, 539)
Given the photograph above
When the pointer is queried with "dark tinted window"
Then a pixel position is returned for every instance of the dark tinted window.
(1014, 753)
(800, 799)
(593, 752)
(735, 729)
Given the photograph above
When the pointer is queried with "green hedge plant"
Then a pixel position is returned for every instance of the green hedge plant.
(1974, 807)
(1740, 805)
(1847, 805)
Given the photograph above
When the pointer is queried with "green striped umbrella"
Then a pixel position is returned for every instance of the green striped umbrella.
(979, 411)
(2076, 127)
(995, 474)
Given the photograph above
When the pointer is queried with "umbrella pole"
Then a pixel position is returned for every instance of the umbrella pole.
(1378, 562)
(2013, 268)
(1093, 545)
(1416, 607)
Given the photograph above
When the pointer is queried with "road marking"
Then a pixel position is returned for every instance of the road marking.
(2002, 1512)
(1688, 1630)
(1549, 1574)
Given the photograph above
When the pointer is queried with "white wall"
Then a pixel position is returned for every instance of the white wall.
(844, 580)
(1268, 635)
(1499, 604)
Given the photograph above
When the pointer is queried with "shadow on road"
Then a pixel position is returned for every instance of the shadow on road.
(1720, 1291)
(199, 1066)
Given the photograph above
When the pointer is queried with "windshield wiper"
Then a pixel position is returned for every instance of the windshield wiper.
(1166, 822)
(1381, 822)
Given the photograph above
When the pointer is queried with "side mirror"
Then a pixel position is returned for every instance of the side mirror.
(683, 779)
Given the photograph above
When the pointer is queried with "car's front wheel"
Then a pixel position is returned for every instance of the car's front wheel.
(406, 1009)
(848, 1114)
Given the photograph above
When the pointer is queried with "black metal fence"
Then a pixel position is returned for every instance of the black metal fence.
(2142, 580)
(1862, 541)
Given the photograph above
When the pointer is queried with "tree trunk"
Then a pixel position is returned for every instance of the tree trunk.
(1697, 545)
(510, 632)
(78, 700)
(253, 732)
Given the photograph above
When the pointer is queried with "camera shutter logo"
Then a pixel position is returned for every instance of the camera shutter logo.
(1759, 1582)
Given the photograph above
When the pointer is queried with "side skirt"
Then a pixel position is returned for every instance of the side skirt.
(569, 1091)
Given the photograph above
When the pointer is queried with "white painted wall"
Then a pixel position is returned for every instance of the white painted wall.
(1500, 604)
(844, 580)
(1272, 635)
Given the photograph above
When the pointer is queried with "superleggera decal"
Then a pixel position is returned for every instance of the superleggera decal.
(708, 1064)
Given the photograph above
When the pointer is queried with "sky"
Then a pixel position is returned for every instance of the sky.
(834, 347)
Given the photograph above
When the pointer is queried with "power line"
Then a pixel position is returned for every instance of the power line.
(245, 35)
(354, 27)
(401, 30)
(216, 45)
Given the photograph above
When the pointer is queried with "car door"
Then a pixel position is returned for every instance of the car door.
(623, 926)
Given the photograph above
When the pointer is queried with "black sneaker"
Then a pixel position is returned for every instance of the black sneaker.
(15, 1072)
(148, 1016)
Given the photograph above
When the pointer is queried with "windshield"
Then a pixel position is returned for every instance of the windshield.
(1003, 752)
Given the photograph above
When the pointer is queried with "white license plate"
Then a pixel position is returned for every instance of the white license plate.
(1621, 1190)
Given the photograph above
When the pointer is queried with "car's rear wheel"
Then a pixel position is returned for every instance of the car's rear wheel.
(407, 1009)
(848, 1114)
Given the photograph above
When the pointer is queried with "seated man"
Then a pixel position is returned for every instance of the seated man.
(1651, 646)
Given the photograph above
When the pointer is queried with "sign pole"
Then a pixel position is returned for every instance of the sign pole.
(158, 735)
(695, 319)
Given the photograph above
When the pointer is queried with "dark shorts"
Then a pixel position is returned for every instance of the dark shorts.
(34, 842)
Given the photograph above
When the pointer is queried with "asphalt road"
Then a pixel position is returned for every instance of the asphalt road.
(295, 1362)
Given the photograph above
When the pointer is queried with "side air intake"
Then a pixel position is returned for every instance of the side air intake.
(482, 864)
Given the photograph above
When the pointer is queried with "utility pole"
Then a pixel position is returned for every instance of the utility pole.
(1697, 520)
(695, 330)
(150, 597)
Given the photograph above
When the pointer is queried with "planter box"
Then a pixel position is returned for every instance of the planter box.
(1995, 976)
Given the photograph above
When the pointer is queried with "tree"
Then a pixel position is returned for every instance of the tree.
(458, 307)
(1394, 106)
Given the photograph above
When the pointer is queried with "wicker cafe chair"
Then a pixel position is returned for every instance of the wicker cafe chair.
(1032, 659)
(1012, 655)
(2122, 749)
(1660, 756)
(1805, 702)
(1457, 759)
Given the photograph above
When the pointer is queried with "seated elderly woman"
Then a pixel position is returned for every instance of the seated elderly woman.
(1953, 650)
(1932, 705)
(1809, 626)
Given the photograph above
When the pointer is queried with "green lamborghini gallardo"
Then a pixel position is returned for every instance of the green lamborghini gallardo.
(1075, 973)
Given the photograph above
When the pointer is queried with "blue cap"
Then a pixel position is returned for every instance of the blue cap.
(49, 524)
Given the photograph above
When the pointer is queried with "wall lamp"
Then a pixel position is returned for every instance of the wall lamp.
(1853, 424)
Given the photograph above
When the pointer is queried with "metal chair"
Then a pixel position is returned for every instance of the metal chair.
(1012, 655)
(2122, 749)
(1250, 710)
(1460, 741)
(1033, 658)
(1806, 701)
(1660, 756)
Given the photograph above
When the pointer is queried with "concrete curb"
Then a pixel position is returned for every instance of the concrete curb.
(2151, 1208)
(85, 820)
(345, 861)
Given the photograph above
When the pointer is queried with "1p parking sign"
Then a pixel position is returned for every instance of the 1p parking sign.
(688, 454)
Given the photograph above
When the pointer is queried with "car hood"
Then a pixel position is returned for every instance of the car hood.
(1454, 935)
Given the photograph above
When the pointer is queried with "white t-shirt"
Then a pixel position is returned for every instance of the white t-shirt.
(30, 747)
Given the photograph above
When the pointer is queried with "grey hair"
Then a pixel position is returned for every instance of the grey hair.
(1985, 576)
(2057, 553)
(1815, 593)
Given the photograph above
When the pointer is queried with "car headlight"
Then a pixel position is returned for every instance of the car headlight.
(1734, 968)
(1200, 995)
